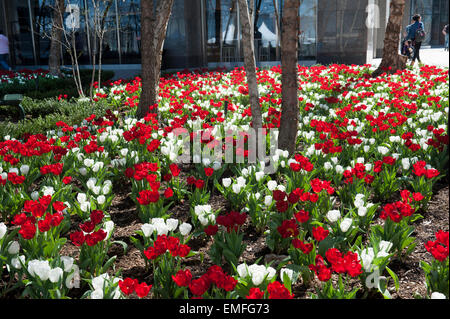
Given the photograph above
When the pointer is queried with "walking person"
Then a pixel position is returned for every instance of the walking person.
(4, 52)
(445, 32)
(416, 33)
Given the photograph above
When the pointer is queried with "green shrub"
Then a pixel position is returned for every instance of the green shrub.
(48, 112)
(45, 88)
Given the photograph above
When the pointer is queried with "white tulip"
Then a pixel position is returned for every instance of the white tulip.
(101, 199)
(34, 195)
(172, 224)
(271, 185)
(345, 224)
(362, 211)
(3, 230)
(333, 215)
(267, 200)
(185, 229)
(81, 197)
(55, 275)
(24, 169)
(438, 295)
(14, 248)
(97, 294)
(88, 162)
(288, 272)
(17, 262)
(68, 263)
(226, 182)
(147, 229)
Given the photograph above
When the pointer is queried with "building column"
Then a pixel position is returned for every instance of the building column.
(342, 35)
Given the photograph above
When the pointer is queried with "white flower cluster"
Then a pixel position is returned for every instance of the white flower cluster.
(368, 254)
(258, 273)
(204, 214)
(100, 190)
(163, 227)
(42, 269)
(83, 202)
(103, 283)
(361, 205)
(236, 186)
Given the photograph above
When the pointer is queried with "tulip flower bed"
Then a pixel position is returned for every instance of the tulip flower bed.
(106, 209)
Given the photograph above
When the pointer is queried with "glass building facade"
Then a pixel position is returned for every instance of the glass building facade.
(216, 38)
(434, 16)
(200, 32)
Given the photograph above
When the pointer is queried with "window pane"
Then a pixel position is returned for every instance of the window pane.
(266, 32)
(307, 38)
(130, 30)
(102, 19)
(20, 41)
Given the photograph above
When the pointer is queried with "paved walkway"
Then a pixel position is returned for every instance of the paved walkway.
(429, 56)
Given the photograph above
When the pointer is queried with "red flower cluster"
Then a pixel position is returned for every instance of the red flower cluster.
(153, 145)
(142, 171)
(302, 163)
(92, 237)
(55, 169)
(347, 263)
(211, 230)
(214, 275)
(359, 171)
(306, 248)
(317, 186)
(288, 228)
(128, 286)
(420, 170)
(198, 183)
(255, 293)
(319, 233)
(183, 278)
(302, 216)
(232, 220)
(37, 209)
(296, 195)
(277, 290)
(396, 211)
(14, 179)
(148, 196)
(439, 247)
(164, 243)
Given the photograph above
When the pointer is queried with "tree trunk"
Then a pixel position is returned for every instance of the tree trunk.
(153, 33)
(392, 61)
(54, 60)
(250, 67)
(289, 76)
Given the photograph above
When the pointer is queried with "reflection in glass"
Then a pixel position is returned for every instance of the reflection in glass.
(425, 9)
(266, 33)
(107, 22)
(174, 51)
(308, 30)
(222, 30)
(19, 29)
(130, 30)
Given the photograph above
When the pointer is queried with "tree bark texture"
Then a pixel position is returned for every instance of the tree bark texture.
(153, 32)
(289, 77)
(392, 61)
(250, 64)
(54, 61)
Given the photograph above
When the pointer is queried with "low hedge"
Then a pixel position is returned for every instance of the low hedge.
(42, 116)
(47, 88)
